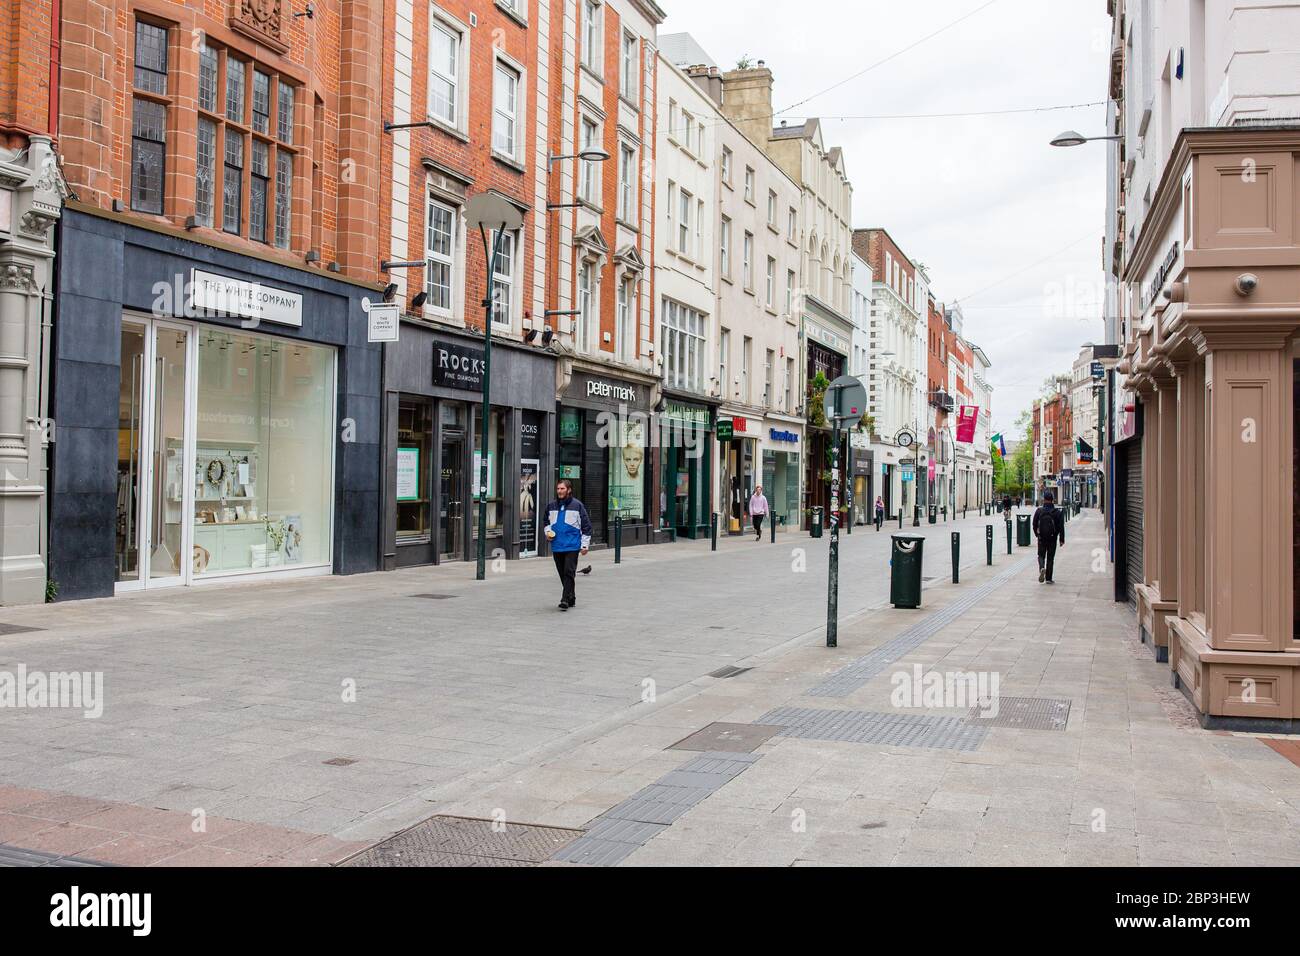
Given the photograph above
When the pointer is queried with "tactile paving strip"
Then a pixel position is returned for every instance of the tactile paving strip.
(1022, 713)
(620, 831)
(12, 856)
(856, 673)
(870, 727)
(457, 841)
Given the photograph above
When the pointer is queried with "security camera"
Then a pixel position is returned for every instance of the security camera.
(1246, 283)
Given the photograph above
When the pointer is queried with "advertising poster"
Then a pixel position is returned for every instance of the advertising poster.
(408, 474)
(528, 472)
(627, 463)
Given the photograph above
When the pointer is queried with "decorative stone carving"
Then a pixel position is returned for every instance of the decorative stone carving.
(263, 20)
(17, 278)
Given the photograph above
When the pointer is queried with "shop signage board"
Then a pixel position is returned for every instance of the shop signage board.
(382, 321)
(222, 295)
(408, 474)
(458, 366)
(725, 431)
(685, 413)
(1097, 369)
(783, 436)
(967, 417)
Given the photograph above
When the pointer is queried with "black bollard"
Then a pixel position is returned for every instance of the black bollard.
(618, 538)
(772, 518)
(900, 519)
(956, 554)
(1008, 536)
(988, 542)
(713, 532)
(916, 516)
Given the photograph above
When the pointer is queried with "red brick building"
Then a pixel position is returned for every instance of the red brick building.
(217, 398)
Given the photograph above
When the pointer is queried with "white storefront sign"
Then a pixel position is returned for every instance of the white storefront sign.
(250, 300)
(384, 321)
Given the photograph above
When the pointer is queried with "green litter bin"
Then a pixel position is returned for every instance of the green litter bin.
(815, 526)
(905, 569)
(1024, 533)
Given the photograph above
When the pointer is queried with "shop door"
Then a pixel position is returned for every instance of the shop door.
(451, 500)
(155, 468)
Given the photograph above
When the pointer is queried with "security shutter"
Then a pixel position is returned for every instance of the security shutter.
(1133, 519)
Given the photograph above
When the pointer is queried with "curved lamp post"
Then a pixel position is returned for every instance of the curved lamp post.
(1072, 138)
(488, 211)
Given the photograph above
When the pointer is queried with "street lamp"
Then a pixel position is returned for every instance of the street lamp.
(1072, 138)
(488, 210)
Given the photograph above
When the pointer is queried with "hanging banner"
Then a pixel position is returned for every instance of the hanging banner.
(967, 417)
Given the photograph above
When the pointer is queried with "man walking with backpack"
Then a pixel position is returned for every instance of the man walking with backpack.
(1049, 526)
(568, 528)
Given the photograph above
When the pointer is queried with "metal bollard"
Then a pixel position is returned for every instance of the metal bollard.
(900, 519)
(772, 518)
(618, 539)
(713, 532)
(956, 554)
(1008, 536)
(988, 542)
(916, 516)
(849, 523)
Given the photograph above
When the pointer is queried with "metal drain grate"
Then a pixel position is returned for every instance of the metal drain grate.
(870, 727)
(1022, 713)
(16, 856)
(459, 841)
(856, 673)
(730, 670)
(18, 629)
(434, 597)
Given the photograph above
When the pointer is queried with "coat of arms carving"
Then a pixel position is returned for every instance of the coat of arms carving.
(260, 18)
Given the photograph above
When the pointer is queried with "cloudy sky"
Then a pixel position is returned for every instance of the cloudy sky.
(1005, 223)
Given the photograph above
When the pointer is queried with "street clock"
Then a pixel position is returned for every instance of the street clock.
(905, 438)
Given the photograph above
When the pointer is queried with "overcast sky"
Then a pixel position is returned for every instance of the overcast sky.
(1004, 222)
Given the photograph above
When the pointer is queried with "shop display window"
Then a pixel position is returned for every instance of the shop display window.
(264, 454)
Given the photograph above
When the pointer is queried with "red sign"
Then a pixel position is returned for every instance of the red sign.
(967, 416)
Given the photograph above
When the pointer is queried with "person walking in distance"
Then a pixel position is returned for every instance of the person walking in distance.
(880, 512)
(568, 528)
(1049, 526)
(757, 510)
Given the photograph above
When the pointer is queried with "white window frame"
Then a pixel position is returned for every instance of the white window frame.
(631, 60)
(509, 279)
(771, 208)
(727, 157)
(589, 183)
(790, 280)
(724, 247)
(684, 198)
(771, 282)
(747, 262)
(588, 301)
(503, 63)
(792, 225)
(749, 185)
(440, 20)
(451, 261)
(627, 180)
(625, 303)
(593, 28)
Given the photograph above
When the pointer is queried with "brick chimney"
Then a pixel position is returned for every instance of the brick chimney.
(708, 79)
(747, 102)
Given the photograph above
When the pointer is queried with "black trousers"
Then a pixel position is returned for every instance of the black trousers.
(1046, 555)
(566, 565)
(758, 525)
(880, 519)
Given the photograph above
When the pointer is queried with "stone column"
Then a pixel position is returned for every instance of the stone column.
(1192, 498)
(1171, 486)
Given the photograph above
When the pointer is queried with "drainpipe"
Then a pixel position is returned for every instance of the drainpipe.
(56, 31)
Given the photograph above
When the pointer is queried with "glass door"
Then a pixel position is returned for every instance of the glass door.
(153, 495)
(451, 504)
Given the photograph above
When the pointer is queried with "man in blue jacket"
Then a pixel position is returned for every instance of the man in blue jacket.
(568, 528)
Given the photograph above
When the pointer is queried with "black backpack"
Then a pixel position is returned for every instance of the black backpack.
(1048, 527)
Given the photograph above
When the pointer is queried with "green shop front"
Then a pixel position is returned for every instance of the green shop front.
(686, 432)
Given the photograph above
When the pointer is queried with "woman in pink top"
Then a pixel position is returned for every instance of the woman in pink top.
(757, 509)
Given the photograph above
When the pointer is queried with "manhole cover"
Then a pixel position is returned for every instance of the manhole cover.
(434, 597)
(731, 738)
(729, 671)
(17, 629)
(458, 841)
(1022, 713)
